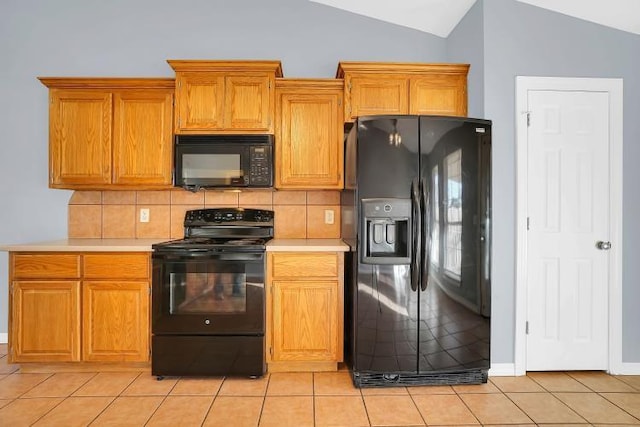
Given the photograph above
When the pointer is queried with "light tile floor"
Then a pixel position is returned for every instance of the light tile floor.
(306, 399)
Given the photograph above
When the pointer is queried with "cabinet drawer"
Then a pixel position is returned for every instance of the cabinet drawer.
(50, 266)
(312, 264)
(116, 266)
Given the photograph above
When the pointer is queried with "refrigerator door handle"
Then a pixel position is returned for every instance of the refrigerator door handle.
(425, 235)
(416, 239)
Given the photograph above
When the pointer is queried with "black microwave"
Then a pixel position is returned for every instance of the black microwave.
(223, 161)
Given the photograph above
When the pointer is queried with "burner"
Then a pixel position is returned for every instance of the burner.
(244, 242)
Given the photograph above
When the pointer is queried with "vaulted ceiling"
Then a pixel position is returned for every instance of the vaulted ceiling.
(440, 17)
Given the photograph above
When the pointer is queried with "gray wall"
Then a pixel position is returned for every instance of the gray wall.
(525, 40)
(134, 38)
(465, 45)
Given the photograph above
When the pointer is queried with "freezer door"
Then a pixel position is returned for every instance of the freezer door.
(387, 320)
(387, 156)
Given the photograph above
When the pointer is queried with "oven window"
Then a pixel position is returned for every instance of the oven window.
(211, 166)
(208, 292)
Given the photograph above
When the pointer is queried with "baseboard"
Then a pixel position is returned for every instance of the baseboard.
(629, 369)
(509, 369)
(502, 370)
(4, 338)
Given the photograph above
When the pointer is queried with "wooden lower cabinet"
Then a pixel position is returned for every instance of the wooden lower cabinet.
(115, 321)
(68, 308)
(305, 304)
(45, 321)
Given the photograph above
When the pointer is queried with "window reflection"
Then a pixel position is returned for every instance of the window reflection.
(453, 214)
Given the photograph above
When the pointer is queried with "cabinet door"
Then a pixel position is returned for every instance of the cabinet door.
(115, 321)
(305, 321)
(199, 101)
(439, 95)
(309, 146)
(45, 321)
(375, 95)
(79, 137)
(142, 137)
(248, 103)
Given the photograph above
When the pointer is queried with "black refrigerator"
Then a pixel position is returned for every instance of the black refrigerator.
(416, 211)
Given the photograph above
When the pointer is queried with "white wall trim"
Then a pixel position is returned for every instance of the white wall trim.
(629, 369)
(615, 90)
(502, 370)
(4, 338)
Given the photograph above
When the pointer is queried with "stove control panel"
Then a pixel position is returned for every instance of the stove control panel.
(227, 215)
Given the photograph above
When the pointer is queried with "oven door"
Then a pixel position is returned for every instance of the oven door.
(205, 293)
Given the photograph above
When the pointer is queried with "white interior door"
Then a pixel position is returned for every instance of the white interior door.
(568, 214)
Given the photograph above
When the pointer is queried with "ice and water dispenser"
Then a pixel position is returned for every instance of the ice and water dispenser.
(386, 233)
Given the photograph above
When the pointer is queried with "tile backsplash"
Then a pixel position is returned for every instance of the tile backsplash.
(116, 214)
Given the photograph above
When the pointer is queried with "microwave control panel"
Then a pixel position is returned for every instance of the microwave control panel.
(260, 173)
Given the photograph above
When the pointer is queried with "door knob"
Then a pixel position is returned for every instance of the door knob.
(603, 246)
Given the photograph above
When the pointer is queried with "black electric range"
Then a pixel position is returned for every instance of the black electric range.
(208, 299)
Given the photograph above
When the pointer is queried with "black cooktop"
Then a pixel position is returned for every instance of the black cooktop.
(223, 229)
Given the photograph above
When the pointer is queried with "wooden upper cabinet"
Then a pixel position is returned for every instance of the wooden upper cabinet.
(80, 137)
(439, 95)
(375, 95)
(248, 102)
(225, 96)
(106, 133)
(142, 137)
(199, 101)
(309, 129)
(377, 88)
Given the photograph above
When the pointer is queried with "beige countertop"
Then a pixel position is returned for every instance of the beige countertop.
(144, 245)
(306, 245)
(85, 245)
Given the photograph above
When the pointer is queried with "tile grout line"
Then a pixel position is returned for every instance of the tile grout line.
(466, 405)
(264, 398)
(59, 403)
(592, 391)
(549, 392)
(618, 406)
(424, 420)
(162, 401)
(556, 397)
(114, 398)
(364, 403)
(215, 397)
